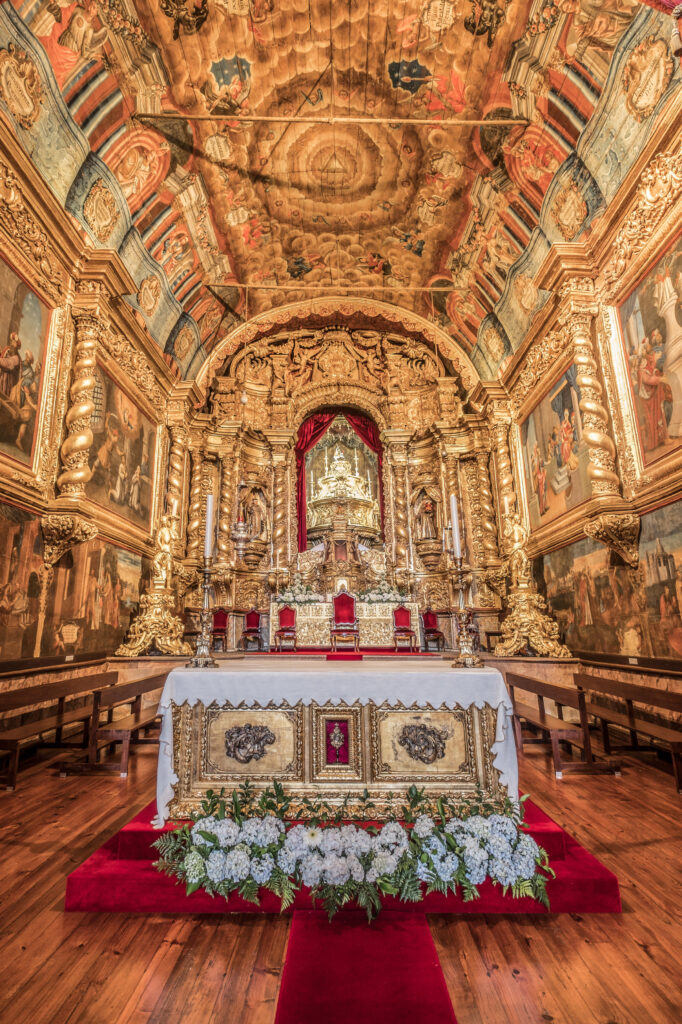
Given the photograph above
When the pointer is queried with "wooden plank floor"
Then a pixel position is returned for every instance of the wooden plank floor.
(107, 968)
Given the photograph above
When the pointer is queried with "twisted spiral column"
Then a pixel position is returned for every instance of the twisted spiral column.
(176, 468)
(227, 479)
(195, 517)
(601, 468)
(487, 510)
(75, 449)
(279, 507)
(398, 461)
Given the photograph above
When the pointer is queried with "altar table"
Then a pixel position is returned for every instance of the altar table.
(313, 619)
(327, 730)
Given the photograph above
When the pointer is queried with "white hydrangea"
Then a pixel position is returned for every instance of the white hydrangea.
(424, 872)
(477, 826)
(250, 832)
(502, 870)
(296, 841)
(524, 856)
(393, 834)
(424, 826)
(475, 861)
(286, 860)
(503, 826)
(194, 866)
(331, 841)
(311, 870)
(237, 864)
(270, 830)
(207, 824)
(357, 872)
(215, 866)
(446, 868)
(335, 870)
(455, 827)
(355, 840)
(262, 868)
(499, 848)
(384, 863)
(227, 832)
(435, 846)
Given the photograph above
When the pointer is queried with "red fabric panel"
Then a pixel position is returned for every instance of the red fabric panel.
(343, 971)
(430, 620)
(310, 432)
(367, 431)
(337, 755)
(344, 609)
(219, 619)
(253, 620)
(287, 618)
(402, 619)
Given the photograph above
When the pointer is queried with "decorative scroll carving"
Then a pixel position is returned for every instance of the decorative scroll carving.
(100, 211)
(618, 531)
(61, 531)
(76, 447)
(247, 742)
(25, 232)
(136, 365)
(624, 429)
(423, 743)
(538, 360)
(660, 187)
(20, 87)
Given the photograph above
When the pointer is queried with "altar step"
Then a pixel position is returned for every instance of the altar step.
(120, 877)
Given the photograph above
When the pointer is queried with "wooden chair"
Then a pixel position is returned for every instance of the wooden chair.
(432, 634)
(219, 628)
(402, 628)
(286, 633)
(626, 717)
(344, 625)
(251, 631)
(555, 729)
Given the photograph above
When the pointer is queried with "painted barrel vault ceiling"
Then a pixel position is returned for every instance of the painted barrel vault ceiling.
(271, 151)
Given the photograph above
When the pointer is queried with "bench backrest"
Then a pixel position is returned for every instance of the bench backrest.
(28, 696)
(128, 691)
(629, 691)
(559, 694)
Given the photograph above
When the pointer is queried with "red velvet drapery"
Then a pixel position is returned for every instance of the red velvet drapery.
(310, 432)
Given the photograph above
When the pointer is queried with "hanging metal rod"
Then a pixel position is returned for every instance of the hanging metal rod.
(313, 286)
(449, 122)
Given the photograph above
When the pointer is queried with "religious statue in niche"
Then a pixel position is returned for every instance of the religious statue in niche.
(425, 513)
(255, 512)
(425, 501)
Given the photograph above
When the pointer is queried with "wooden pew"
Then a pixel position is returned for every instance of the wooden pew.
(56, 694)
(629, 694)
(125, 730)
(555, 728)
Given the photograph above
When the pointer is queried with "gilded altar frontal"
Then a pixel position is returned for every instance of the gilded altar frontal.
(266, 322)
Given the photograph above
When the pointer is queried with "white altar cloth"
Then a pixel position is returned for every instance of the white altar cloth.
(261, 681)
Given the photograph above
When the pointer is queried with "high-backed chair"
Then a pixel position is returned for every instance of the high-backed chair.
(402, 628)
(344, 624)
(219, 628)
(251, 631)
(432, 634)
(286, 633)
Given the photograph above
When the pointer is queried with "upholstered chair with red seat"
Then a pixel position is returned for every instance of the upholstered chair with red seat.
(286, 633)
(402, 628)
(432, 634)
(219, 628)
(251, 631)
(344, 625)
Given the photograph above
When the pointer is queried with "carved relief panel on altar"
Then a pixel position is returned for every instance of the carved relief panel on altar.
(554, 453)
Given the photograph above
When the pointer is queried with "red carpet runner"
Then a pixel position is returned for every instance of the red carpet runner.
(120, 877)
(347, 971)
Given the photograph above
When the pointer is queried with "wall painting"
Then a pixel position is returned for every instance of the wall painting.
(122, 454)
(612, 608)
(651, 320)
(24, 325)
(94, 593)
(554, 453)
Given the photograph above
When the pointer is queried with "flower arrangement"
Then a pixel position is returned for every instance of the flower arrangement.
(382, 592)
(242, 845)
(299, 593)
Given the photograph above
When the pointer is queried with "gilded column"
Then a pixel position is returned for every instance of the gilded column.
(75, 450)
(396, 442)
(485, 497)
(196, 505)
(578, 317)
(499, 434)
(225, 514)
(280, 444)
(176, 468)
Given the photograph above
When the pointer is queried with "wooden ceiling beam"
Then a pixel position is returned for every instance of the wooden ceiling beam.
(449, 122)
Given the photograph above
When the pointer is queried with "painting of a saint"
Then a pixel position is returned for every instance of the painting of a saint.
(555, 454)
(122, 454)
(651, 319)
(24, 323)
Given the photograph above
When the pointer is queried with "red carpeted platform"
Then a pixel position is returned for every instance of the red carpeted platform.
(346, 971)
(120, 877)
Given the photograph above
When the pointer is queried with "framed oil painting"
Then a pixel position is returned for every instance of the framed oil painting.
(554, 453)
(122, 453)
(651, 322)
(24, 326)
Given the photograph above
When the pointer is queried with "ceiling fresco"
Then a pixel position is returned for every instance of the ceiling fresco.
(243, 155)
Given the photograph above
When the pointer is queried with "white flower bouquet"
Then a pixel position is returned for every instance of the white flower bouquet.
(434, 848)
(382, 592)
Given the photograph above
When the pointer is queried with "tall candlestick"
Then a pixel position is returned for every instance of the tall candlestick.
(456, 539)
(208, 535)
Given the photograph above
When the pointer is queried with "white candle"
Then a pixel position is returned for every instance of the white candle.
(507, 504)
(456, 539)
(208, 535)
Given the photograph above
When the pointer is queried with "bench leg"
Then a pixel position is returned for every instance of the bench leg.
(556, 755)
(605, 736)
(677, 759)
(518, 735)
(13, 768)
(125, 754)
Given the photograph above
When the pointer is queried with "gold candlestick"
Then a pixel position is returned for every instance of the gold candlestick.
(466, 656)
(202, 657)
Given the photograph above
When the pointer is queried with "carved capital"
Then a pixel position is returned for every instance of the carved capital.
(619, 531)
(62, 531)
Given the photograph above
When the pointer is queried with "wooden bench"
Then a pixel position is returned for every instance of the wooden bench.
(125, 730)
(555, 728)
(16, 737)
(630, 694)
